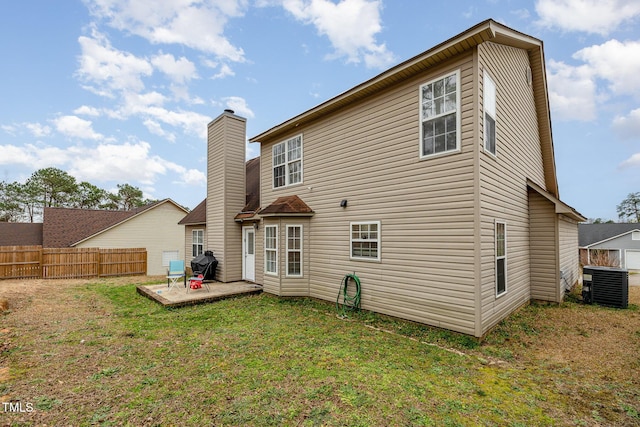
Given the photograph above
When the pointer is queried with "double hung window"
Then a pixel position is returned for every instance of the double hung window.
(294, 250)
(271, 249)
(365, 240)
(440, 115)
(489, 102)
(287, 162)
(501, 258)
(197, 242)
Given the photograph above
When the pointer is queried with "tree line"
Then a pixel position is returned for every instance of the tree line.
(52, 187)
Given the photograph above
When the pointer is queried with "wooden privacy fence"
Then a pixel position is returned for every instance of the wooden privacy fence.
(66, 263)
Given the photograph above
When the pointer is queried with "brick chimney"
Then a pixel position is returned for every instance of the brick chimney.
(226, 138)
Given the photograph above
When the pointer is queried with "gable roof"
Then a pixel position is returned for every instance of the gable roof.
(560, 206)
(197, 216)
(65, 227)
(20, 234)
(287, 205)
(488, 30)
(592, 234)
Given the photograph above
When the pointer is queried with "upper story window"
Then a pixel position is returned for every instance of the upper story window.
(489, 102)
(287, 162)
(440, 115)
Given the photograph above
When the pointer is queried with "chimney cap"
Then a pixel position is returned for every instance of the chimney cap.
(229, 110)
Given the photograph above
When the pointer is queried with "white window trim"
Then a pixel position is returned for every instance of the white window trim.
(270, 273)
(496, 257)
(487, 78)
(458, 117)
(193, 232)
(286, 163)
(379, 240)
(294, 250)
(635, 235)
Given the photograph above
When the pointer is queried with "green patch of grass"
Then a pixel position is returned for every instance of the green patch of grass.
(262, 360)
(46, 403)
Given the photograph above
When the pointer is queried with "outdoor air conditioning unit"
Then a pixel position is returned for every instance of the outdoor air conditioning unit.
(605, 286)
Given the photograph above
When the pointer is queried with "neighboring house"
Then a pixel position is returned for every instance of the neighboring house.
(154, 227)
(615, 244)
(195, 223)
(20, 234)
(434, 182)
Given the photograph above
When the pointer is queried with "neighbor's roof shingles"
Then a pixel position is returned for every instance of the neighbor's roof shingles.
(20, 234)
(588, 234)
(63, 227)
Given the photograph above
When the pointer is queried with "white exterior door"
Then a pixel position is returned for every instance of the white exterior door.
(632, 260)
(249, 253)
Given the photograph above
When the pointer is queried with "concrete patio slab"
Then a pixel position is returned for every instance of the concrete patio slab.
(178, 296)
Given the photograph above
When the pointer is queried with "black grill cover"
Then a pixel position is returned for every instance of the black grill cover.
(206, 265)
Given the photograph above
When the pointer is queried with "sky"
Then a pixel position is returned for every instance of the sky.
(121, 91)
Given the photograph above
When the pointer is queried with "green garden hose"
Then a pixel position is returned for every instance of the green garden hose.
(349, 302)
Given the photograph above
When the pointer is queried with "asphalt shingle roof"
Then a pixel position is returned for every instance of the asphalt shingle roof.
(20, 234)
(64, 226)
(589, 234)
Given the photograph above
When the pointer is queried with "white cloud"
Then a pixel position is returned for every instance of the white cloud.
(239, 105)
(75, 127)
(193, 177)
(156, 128)
(196, 24)
(617, 62)
(575, 90)
(350, 25)
(38, 130)
(35, 129)
(572, 91)
(631, 162)
(628, 127)
(591, 16)
(106, 69)
(33, 156)
(86, 110)
(127, 162)
(180, 71)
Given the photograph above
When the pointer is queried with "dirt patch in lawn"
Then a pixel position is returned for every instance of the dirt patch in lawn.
(594, 350)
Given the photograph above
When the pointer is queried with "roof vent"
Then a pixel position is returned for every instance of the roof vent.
(230, 111)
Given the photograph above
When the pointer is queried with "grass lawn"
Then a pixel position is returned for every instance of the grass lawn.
(100, 354)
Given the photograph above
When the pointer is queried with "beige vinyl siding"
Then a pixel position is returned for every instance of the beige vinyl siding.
(569, 256)
(543, 245)
(369, 154)
(142, 231)
(188, 241)
(503, 189)
(226, 193)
